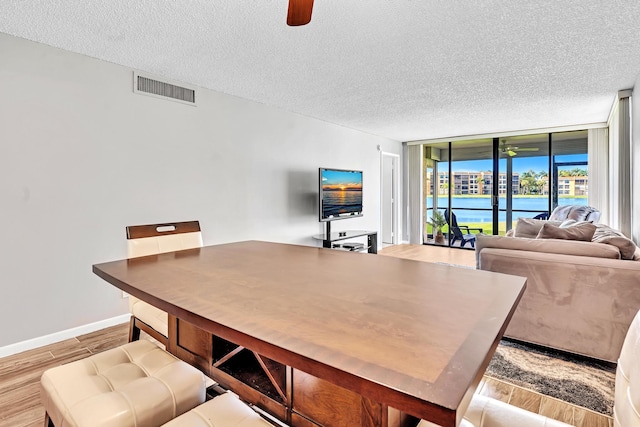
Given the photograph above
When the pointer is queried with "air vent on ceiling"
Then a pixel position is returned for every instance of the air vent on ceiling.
(157, 88)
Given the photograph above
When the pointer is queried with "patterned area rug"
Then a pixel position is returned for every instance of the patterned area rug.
(581, 382)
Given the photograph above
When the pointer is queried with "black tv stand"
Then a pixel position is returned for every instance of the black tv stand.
(329, 238)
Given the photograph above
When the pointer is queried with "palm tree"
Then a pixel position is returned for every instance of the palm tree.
(528, 174)
(578, 172)
(437, 222)
(540, 184)
(480, 182)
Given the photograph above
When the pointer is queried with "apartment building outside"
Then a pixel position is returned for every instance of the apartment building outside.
(471, 183)
(479, 183)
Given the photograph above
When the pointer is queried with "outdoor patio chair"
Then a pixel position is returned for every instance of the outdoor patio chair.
(457, 230)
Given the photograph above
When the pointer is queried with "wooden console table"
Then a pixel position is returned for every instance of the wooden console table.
(348, 340)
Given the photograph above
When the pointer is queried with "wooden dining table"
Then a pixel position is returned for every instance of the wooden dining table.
(411, 336)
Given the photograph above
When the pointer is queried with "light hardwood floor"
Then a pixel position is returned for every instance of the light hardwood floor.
(463, 257)
(20, 374)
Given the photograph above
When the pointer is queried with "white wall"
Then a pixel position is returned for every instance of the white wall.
(635, 164)
(83, 156)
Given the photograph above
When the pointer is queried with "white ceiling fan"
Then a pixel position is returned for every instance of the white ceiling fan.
(511, 150)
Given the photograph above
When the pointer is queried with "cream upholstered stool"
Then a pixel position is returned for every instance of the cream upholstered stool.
(143, 240)
(137, 384)
(626, 406)
(225, 410)
(487, 412)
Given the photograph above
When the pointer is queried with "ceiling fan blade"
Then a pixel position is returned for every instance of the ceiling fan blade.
(299, 12)
(511, 153)
(528, 149)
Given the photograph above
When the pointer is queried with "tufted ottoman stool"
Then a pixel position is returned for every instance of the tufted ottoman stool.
(137, 384)
(225, 410)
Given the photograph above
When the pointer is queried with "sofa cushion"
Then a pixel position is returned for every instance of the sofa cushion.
(581, 231)
(529, 227)
(606, 234)
(553, 246)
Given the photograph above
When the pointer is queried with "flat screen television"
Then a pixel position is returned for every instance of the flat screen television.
(340, 194)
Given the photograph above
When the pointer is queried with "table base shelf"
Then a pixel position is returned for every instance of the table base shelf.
(292, 396)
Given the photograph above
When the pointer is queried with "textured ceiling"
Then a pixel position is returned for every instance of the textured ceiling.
(402, 69)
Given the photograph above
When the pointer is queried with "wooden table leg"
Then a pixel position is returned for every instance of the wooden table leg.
(172, 335)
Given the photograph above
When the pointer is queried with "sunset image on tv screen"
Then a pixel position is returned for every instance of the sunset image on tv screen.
(341, 193)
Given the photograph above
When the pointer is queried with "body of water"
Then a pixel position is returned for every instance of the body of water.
(530, 205)
(337, 203)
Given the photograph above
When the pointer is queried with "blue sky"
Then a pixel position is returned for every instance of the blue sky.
(522, 164)
(341, 177)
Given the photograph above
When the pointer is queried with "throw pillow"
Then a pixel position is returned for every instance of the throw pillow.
(606, 234)
(583, 232)
(568, 223)
(572, 223)
(529, 227)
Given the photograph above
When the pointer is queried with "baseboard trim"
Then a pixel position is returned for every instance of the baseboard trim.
(19, 347)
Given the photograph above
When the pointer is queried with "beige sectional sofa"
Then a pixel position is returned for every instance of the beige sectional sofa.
(580, 296)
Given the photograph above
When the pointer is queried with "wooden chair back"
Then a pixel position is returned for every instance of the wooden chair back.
(153, 239)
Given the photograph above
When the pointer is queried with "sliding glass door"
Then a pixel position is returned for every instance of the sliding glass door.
(487, 184)
(524, 172)
(458, 186)
(569, 169)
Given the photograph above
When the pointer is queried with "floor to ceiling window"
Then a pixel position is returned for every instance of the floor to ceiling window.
(569, 168)
(458, 187)
(485, 185)
(525, 159)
